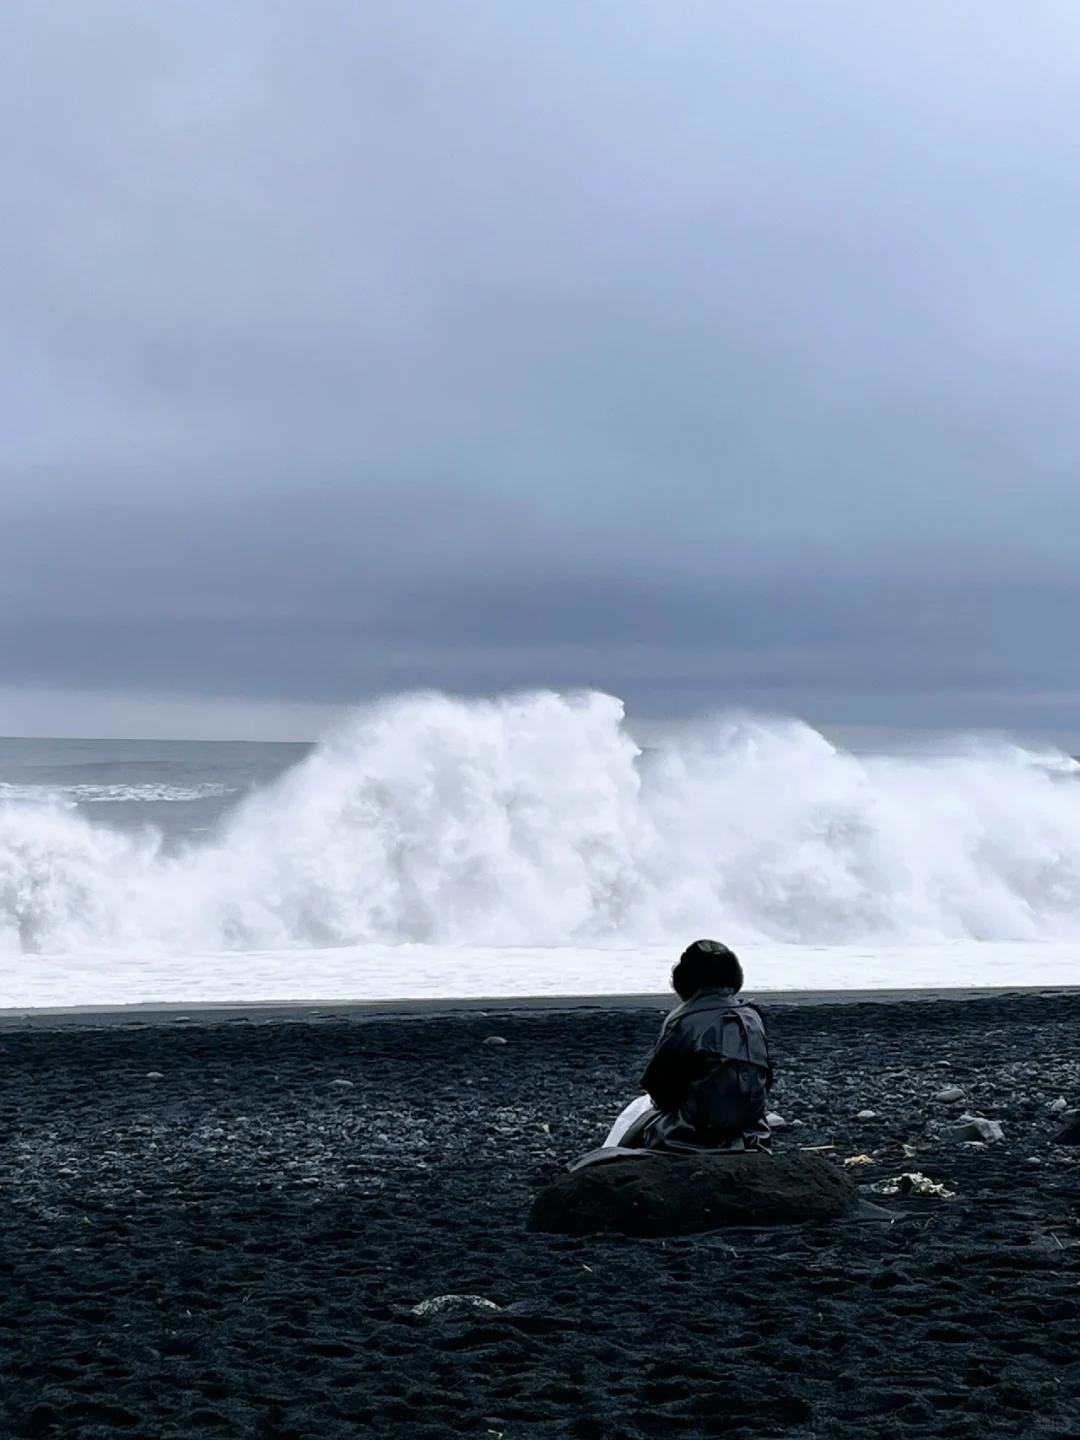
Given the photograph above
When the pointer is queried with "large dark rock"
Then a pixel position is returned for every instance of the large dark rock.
(1069, 1134)
(651, 1194)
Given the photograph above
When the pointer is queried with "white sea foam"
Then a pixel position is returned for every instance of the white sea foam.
(87, 794)
(536, 821)
(393, 972)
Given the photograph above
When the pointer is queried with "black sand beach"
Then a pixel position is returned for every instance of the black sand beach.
(233, 1247)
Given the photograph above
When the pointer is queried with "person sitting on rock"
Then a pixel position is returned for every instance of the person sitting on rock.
(710, 1072)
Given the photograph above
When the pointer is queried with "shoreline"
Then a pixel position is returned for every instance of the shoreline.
(215, 1012)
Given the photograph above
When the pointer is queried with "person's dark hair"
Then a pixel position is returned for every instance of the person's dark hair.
(706, 965)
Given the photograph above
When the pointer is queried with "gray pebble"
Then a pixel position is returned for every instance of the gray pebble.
(974, 1127)
(950, 1094)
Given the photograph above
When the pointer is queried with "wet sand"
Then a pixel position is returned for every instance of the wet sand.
(217, 1224)
(263, 1011)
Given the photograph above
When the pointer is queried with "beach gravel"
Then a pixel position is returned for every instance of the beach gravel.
(240, 1249)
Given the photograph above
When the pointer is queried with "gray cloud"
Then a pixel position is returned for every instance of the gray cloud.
(703, 352)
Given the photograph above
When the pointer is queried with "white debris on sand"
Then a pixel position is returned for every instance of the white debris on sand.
(913, 1182)
(451, 1304)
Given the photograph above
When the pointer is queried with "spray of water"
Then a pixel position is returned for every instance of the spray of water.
(536, 820)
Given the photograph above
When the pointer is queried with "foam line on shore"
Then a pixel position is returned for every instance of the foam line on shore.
(314, 1011)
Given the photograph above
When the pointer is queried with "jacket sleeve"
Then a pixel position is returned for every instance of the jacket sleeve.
(667, 1076)
(770, 1073)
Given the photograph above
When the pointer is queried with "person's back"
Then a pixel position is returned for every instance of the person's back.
(710, 1072)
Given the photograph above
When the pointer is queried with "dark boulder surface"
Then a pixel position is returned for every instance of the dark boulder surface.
(1069, 1134)
(656, 1195)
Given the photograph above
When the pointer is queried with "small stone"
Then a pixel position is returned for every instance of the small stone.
(342, 1085)
(154, 1075)
(495, 1040)
(775, 1121)
(453, 1304)
(1069, 1134)
(1033, 1160)
(866, 1115)
(974, 1127)
(949, 1095)
(1059, 1105)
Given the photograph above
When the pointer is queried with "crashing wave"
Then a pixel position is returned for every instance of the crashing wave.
(536, 819)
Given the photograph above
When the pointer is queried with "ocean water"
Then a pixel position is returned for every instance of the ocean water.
(528, 845)
(182, 788)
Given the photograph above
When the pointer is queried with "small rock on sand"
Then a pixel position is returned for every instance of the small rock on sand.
(1059, 1105)
(866, 1115)
(495, 1040)
(775, 1121)
(949, 1095)
(154, 1075)
(974, 1127)
(342, 1085)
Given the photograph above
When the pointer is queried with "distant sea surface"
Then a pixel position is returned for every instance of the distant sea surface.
(181, 787)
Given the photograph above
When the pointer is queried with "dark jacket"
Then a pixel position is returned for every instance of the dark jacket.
(709, 1074)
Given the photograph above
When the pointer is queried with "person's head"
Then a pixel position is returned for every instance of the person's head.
(706, 965)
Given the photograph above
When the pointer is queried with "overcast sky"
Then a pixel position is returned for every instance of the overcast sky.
(708, 353)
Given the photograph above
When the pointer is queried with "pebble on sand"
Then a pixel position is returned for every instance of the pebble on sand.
(154, 1075)
(866, 1115)
(495, 1040)
(974, 1127)
(949, 1095)
(342, 1085)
